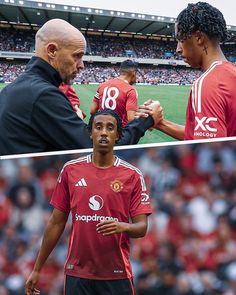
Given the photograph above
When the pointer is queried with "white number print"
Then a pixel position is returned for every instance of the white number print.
(109, 97)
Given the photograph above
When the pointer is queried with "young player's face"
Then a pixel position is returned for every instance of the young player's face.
(69, 60)
(104, 132)
(189, 50)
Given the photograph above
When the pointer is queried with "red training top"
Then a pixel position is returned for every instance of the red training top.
(118, 95)
(211, 110)
(92, 195)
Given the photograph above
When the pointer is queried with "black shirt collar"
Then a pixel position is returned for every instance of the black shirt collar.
(44, 69)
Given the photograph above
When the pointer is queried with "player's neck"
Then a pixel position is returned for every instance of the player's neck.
(103, 160)
(213, 55)
(124, 78)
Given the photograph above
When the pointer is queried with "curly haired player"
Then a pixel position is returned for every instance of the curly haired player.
(211, 109)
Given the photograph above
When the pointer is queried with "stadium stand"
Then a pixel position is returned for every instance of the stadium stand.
(9, 71)
(18, 40)
(109, 46)
(190, 245)
(167, 75)
(23, 40)
(98, 73)
(154, 49)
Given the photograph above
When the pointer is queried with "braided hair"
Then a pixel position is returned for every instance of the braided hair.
(204, 18)
(106, 112)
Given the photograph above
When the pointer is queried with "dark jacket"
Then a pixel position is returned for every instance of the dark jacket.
(35, 116)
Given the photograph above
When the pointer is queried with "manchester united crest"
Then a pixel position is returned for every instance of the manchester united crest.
(116, 186)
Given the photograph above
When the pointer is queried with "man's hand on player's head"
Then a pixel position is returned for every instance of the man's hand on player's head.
(111, 227)
(31, 283)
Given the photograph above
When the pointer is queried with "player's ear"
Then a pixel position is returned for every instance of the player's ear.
(52, 49)
(117, 136)
(200, 37)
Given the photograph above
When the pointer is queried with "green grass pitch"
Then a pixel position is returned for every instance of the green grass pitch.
(172, 98)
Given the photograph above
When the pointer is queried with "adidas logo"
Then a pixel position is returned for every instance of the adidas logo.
(81, 182)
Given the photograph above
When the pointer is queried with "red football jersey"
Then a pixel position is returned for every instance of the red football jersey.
(92, 195)
(71, 94)
(118, 95)
(211, 110)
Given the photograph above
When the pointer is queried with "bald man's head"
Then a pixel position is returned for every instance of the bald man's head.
(62, 46)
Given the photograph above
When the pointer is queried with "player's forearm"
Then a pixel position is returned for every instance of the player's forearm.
(170, 128)
(94, 108)
(92, 111)
(136, 230)
(51, 236)
(130, 115)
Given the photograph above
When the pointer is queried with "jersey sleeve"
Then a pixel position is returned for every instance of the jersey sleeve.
(132, 100)
(71, 95)
(140, 200)
(96, 96)
(60, 197)
(74, 99)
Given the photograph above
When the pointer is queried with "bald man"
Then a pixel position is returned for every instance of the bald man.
(35, 116)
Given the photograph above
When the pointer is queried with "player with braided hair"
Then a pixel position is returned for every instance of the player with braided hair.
(201, 17)
(211, 109)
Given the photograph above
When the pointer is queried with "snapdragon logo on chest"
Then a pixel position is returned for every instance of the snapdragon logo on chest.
(95, 203)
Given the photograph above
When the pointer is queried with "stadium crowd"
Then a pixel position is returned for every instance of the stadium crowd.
(10, 71)
(136, 48)
(155, 49)
(108, 46)
(17, 40)
(98, 73)
(167, 75)
(190, 245)
(23, 40)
